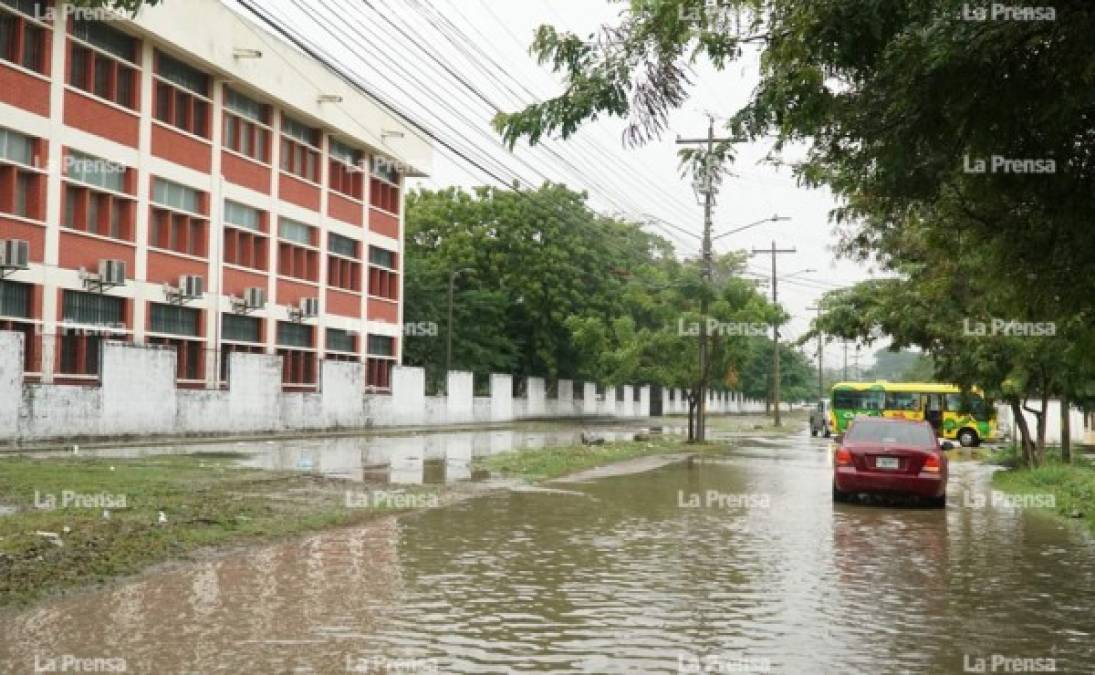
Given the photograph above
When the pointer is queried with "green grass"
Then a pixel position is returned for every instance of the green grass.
(208, 500)
(1072, 485)
(547, 463)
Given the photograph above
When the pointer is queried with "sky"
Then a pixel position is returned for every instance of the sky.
(449, 65)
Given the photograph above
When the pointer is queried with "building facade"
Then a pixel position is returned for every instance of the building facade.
(186, 178)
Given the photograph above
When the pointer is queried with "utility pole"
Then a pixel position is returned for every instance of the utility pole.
(845, 360)
(857, 361)
(775, 326)
(820, 353)
(708, 189)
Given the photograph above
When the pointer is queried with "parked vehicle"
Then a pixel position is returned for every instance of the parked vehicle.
(821, 419)
(891, 456)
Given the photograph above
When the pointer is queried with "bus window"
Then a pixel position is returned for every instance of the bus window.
(968, 404)
(847, 399)
(899, 400)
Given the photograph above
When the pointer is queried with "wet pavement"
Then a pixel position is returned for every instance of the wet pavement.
(737, 562)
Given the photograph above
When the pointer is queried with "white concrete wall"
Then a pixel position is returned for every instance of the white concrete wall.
(137, 396)
(1053, 422)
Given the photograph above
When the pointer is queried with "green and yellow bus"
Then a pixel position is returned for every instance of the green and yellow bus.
(965, 417)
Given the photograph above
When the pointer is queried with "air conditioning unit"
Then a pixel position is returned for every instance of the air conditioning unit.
(14, 254)
(191, 286)
(309, 307)
(112, 272)
(254, 298)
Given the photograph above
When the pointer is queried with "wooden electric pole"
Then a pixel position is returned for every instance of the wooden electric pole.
(708, 189)
(775, 326)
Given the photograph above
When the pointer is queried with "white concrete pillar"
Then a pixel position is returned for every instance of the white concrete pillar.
(459, 397)
(408, 395)
(501, 398)
(11, 383)
(589, 398)
(536, 397)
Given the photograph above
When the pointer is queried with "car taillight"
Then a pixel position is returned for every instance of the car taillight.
(843, 457)
(931, 464)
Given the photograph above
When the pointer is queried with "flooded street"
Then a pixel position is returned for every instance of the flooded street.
(736, 561)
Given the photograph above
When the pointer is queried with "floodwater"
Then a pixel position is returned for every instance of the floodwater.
(738, 562)
(404, 459)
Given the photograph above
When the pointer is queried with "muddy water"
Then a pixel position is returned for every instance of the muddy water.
(618, 574)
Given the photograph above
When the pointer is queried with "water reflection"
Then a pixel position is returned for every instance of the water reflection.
(413, 459)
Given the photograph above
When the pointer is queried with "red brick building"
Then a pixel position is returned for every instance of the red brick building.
(253, 198)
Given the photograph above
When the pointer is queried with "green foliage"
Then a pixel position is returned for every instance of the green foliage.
(550, 288)
(130, 7)
(897, 103)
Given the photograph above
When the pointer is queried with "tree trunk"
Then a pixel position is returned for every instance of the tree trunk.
(1066, 430)
(1026, 445)
(691, 416)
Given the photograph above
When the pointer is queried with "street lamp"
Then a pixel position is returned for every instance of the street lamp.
(774, 219)
(448, 345)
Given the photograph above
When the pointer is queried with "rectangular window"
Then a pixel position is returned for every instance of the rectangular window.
(299, 150)
(175, 320)
(175, 196)
(381, 257)
(95, 171)
(381, 345)
(15, 299)
(93, 309)
(181, 95)
(189, 357)
(15, 147)
(341, 341)
(245, 248)
(180, 74)
(105, 76)
(243, 216)
(383, 195)
(294, 335)
(98, 34)
(244, 126)
(16, 30)
(246, 107)
(342, 245)
(346, 174)
(241, 328)
(378, 373)
(295, 232)
(100, 213)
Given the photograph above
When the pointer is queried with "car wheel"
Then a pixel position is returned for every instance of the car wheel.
(840, 496)
(967, 438)
(938, 502)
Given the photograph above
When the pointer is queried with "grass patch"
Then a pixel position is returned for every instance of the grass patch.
(547, 463)
(1072, 485)
(759, 424)
(208, 500)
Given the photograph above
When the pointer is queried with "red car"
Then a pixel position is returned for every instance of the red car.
(891, 456)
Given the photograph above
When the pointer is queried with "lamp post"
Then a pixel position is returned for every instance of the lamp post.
(448, 338)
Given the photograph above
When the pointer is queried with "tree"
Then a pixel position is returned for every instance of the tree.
(130, 7)
(961, 151)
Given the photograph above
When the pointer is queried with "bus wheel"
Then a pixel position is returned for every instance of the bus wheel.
(967, 438)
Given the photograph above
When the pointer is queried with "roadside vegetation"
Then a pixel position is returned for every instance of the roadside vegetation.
(1072, 484)
(206, 501)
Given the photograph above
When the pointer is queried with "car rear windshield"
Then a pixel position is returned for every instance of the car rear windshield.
(889, 433)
